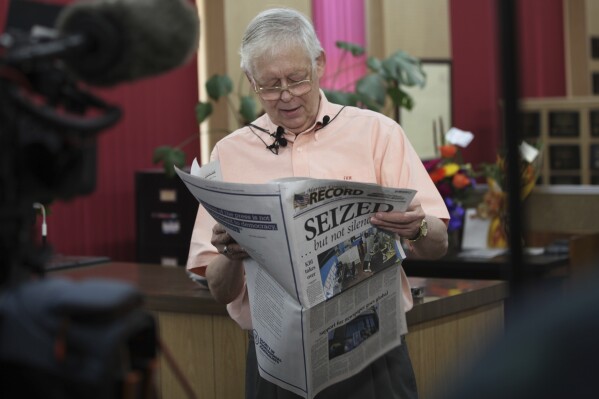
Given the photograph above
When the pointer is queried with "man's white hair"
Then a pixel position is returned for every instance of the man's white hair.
(275, 29)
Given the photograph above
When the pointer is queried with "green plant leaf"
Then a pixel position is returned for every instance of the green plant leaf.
(218, 86)
(159, 153)
(247, 109)
(389, 70)
(400, 98)
(341, 97)
(372, 87)
(203, 111)
(355, 49)
(406, 69)
(170, 157)
(366, 101)
(374, 64)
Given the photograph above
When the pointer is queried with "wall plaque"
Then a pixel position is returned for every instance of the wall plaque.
(565, 180)
(595, 48)
(594, 122)
(564, 123)
(530, 124)
(564, 157)
(594, 149)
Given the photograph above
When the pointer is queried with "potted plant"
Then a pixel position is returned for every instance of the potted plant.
(386, 79)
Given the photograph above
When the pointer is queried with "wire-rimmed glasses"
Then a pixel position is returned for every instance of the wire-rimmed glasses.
(274, 92)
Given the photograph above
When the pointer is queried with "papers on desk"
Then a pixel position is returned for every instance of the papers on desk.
(474, 240)
(475, 231)
(482, 253)
(488, 253)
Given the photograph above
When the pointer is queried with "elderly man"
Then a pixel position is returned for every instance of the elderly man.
(302, 134)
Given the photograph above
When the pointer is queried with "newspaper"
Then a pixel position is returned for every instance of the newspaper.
(324, 283)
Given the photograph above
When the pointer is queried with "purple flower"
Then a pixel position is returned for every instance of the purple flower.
(456, 214)
(431, 164)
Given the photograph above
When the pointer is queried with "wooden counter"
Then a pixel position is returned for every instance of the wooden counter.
(451, 327)
(447, 329)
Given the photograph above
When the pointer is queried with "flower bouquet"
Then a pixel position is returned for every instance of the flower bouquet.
(494, 203)
(454, 178)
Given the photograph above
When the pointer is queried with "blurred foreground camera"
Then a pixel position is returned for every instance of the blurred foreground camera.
(58, 338)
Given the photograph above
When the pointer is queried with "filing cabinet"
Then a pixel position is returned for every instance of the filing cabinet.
(165, 214)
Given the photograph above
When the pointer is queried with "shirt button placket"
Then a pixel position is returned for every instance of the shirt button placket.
(301, 166)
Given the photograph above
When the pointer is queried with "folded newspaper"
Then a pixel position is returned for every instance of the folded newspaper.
(324, 284)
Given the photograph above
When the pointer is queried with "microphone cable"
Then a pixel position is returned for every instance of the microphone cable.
(279, 140)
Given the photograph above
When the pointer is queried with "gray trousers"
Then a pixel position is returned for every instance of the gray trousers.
(389, 377)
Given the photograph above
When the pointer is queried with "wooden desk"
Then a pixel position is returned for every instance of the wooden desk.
(454, 322)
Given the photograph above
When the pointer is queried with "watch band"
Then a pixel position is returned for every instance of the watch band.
(422, 232)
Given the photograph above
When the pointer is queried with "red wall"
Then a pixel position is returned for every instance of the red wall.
(542, 52)
(474, 71)
(476, 63)
(3, 13)
(157, 111)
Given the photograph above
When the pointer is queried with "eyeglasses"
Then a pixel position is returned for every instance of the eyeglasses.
(274, 92)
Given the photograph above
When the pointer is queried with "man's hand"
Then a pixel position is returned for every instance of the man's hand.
(225, 244)
(405, 224)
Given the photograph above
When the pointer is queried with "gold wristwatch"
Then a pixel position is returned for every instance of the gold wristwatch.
(422, 232)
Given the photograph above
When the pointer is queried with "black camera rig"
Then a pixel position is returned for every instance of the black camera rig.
(58, 338)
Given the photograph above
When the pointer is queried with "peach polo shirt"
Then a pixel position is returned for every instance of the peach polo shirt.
(357, 145)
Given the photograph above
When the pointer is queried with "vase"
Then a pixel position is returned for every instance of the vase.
(454, 242)
(455, 226)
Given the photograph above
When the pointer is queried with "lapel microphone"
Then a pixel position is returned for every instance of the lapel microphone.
(279, 140)
(325, 121)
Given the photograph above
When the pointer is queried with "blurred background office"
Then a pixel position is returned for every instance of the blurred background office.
(558, 60)
(137, 213)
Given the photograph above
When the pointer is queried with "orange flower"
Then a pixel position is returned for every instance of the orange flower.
(460, 181)
(448, 151)
(437, 175)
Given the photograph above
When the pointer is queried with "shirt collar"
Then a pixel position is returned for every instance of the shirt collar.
(324, 108)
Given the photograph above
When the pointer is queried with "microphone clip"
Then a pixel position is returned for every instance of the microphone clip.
(325, 121)
(279, 141)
